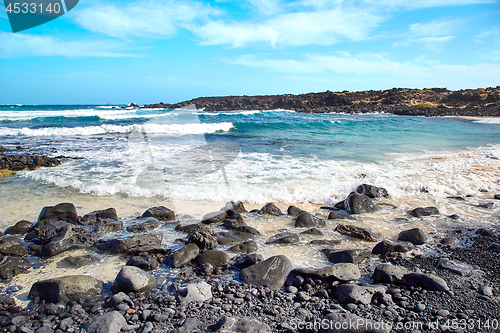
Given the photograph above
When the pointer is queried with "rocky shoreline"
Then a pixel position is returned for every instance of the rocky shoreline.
(410, 102)
(215, 282)
(16, 160)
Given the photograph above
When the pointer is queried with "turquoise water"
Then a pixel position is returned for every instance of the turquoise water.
(282, 155)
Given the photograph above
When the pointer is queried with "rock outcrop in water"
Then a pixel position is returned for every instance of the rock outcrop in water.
(410, 102)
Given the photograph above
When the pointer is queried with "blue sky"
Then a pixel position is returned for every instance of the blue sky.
(147, 51)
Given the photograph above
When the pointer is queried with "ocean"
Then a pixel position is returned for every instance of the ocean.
(194, 161)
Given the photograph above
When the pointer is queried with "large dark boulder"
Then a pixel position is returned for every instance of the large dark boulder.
(214, 258)
(424, 211)
(235, 207)
(372, 191)
(11, 245)
(99, 217)
(245, 247)
(246, 260)
(183, 256)
(67, 288)
(203, 238)
(415, 236)
(63, 211)
(294, 211)
(339, 216)
(144, 261)
(67, 238)
(358, 204)
(143, 225)
(356, 232)
(214, 217)
(233, 237)
(270, 209)
(306, 220)
(20, 228)
(11, 266)
(387, 246)
(270, 273)
(353, 256)
(136, 243)
(387, 273)
(288, 238)
(160, 213)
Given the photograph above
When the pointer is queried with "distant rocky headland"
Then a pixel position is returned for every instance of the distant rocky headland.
(412, 102)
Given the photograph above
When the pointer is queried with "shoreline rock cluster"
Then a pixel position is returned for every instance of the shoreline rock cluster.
(223, 285)
(12, 161)
(410, 102)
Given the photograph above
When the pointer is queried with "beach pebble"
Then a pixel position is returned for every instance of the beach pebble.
(132, 279)
(415, 236)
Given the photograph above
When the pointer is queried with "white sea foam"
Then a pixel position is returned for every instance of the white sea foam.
(150, 128)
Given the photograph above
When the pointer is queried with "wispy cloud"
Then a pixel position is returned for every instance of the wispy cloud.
(25, 45)
(431, 34)
(267, 7)
(411, 73)
(293, 29)
(144, 18)
(405, 4)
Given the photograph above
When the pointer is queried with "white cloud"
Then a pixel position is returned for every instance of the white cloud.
(417, 4)
(410, 74)
(25, 45)
(293, 29)
(144, 18)
(267, 7)
(487, 34)
(432, 34)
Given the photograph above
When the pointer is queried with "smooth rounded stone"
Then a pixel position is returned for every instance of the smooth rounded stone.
(355, 232)
(357, 203)
(246, 260)
(494, 247)
(312, 231)
(99, 217)
(213, 257)
(188, 227)
(63, 211)
(20, 228)
(143, 225)
(339, 216)
(387, 246)
(338, 272)
(284, 238)
(456, 197)
(111, 322)
(443, 313)
(353, 293)
(456, 267)
(497, 197)
(306, 220)
(118, 298)
(291, 289)
(66, 288)
(302, 296)
(203, 238)
(196, 292)
(449, 241)
(372, 191)
(183, 256)
(328, 242)
(11, 245)
(248, 230)
(131, 243)
(270, 273)
(11, 266)
(415, 236)
(245, 247)
(69, 237)
(145, 262)
(233, 237)
(424, 211)
(298, 281)
(214, 217)
(346, 322)
(109, 227)
(241, 325)
(270, 209)
(487, 205)
(235, 207)
(294, 211)
(161, 213)
(454, 217)
(420, 307)
(387, 273)
(354, 256)
(486, 232)
(486, 291)
(132, 279)
(81, 261)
